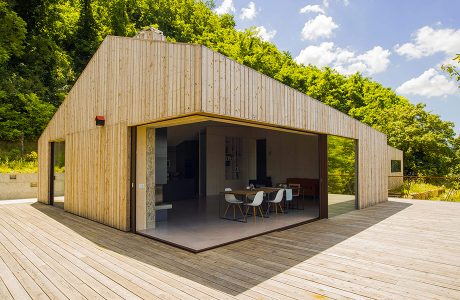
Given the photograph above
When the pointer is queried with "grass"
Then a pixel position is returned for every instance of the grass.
(452, 192)
(420, 187)
(25, 165)
(19, 166)
(449, 195)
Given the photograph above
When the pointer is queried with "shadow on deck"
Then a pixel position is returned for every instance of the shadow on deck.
(237, 267)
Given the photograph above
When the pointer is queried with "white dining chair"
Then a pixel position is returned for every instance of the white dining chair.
(276, 201)
(232, 201)
(258, 198)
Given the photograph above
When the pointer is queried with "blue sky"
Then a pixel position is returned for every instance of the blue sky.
(399, 43)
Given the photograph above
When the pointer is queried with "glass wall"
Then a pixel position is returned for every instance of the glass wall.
(59, 174)
(341, 175)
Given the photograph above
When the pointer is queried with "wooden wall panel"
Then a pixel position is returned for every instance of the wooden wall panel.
(395, 179)
(395, 154)
(138, 81)
(268, 101)
(129, 82)
(43, 168)
(97, 175)
(264, 99)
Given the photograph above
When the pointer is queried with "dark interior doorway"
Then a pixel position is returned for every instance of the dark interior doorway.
(182, 168)
(261, 150)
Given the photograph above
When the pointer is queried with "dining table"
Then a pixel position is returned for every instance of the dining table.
(249, 192)
(244, 193)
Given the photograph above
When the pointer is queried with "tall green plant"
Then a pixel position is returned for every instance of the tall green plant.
(60, 36)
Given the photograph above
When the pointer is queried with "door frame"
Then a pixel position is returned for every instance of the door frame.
(51, 174)
(132, 177)
(323, 176)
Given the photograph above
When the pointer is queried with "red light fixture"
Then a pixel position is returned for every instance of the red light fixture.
(100, 121)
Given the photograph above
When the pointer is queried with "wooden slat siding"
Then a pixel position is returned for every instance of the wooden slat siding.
(43, 168)
(394, 154)
(197, 78)
(186, 94)
(133, 81)
(226, 89)
(129, 81)
(294, 109)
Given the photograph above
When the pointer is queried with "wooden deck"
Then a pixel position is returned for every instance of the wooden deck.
(399, 249)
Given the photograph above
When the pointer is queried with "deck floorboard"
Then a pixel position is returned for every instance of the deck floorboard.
(401, 249)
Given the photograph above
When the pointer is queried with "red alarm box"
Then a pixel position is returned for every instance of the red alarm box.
(100, 121)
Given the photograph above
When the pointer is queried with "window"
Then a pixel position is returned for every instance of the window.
(395, 166)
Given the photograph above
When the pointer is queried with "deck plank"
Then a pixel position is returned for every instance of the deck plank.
(401, 249)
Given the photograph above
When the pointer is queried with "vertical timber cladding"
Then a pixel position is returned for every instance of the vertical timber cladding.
(234, 90)
(43, 169)
(132, 82)
(129, 82)
(395, 179)
(55, 131)
(372, 167)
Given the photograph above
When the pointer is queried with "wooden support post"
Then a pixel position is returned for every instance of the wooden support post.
(323, 194)
(132, 185)
(51, 174)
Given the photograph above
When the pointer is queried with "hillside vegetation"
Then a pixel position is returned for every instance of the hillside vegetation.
(45, 45)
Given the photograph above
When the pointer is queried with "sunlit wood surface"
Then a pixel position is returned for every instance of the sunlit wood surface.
(132, 82)
(395, 250)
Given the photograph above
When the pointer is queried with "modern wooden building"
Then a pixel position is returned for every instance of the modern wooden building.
(141, 99)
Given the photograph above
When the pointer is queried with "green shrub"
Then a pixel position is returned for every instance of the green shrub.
(19, 166)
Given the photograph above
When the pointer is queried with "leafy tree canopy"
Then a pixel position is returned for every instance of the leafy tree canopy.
(45, 45)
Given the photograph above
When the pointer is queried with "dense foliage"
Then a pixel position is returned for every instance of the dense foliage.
(341, 165)
(44, 46)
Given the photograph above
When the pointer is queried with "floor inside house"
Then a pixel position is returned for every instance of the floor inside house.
(196, 225)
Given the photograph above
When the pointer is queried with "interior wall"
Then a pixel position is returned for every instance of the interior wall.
(288, 155)
(291, 155)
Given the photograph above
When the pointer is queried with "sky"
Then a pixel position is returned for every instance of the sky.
(398, 43)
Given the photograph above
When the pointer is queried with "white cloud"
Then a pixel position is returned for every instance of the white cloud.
(226, 7)
(375, 59)
(312, 9)
(320, 56)
(371, 62)
(430, 84)
(428, 41)
(248, 13)
(320, 26)
(326, 3)
(264, 34)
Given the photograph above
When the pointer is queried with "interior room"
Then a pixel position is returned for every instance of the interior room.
(195, 166)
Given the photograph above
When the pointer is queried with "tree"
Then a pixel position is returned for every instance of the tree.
(452, 70)
(12, 33)
(86, 39)
(426, 140)
(45, 45)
